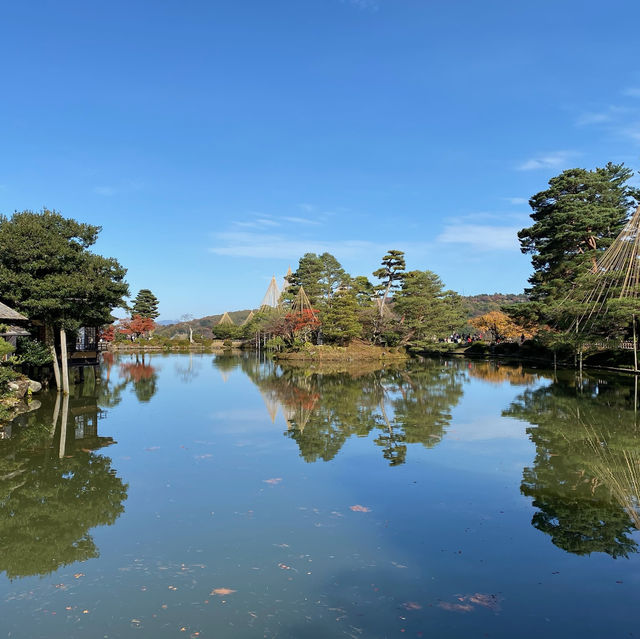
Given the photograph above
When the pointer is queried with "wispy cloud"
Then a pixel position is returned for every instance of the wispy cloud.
(593, 118)
(300, 220)
(632, 92)
(516, 200)
(280, 246)
(106, 191)
(553, 160)
(481, 237)
(128, 186)
(257, 223)
(631, 131)
(369, 5)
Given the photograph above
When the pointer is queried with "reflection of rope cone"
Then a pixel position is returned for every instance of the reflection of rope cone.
(272, 405)
(225, 376)
(622, 479)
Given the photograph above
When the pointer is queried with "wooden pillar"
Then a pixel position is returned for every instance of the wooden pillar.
(56, 368)
(63, 425)
(65, 361)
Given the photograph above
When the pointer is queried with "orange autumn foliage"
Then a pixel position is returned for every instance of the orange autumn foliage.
(500, 326)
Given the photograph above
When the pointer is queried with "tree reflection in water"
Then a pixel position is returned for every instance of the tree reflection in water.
(585, 477)
(326, 405)
(142, 375)
(54, 486)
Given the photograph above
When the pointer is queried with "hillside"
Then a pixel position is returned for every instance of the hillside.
(201, 326)
(483, 303)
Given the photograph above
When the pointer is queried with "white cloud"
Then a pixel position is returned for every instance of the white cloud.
(481, 237)
(260, 245)
(516, 200)
(106, 191)
(552, 160)
(300, 220)
(593, 118)
(632, 92)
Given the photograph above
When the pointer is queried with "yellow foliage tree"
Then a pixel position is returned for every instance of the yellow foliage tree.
(500, 326)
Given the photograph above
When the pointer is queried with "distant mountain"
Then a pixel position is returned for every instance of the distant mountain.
(484, 303)
(202, 326)
(166, 322)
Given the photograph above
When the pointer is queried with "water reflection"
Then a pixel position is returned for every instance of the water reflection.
(54, 486)
(585, 478)
(142, 375)
(325, 405)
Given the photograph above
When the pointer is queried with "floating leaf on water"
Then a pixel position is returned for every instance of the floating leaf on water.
(222, 591)
(360, 509)
(273, 481)
(411, 605)
(78, 575)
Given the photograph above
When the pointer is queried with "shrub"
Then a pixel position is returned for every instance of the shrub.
(33, 352)
(6, 375)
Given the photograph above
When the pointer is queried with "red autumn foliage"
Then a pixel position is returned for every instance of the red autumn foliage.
(136, 326)
(306, 319)
(137, 371)
(108, 333)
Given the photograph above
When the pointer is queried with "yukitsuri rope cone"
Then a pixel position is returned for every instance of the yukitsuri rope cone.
(301, 303)
(272, 296)
(616, 274)
(225, 320)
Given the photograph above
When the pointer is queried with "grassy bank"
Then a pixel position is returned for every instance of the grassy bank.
(353, 352)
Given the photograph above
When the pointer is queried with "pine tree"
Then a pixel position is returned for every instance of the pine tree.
(575, 219)
(340, 320)
(145, 304)
(390, 274)
(428, 312)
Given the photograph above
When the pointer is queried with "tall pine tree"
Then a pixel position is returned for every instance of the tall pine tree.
(145, 304)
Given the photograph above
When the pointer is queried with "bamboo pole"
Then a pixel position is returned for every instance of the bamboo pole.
(635, 346)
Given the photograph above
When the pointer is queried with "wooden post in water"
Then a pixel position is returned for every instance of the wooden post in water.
(63, 425)
(56, 367)
(65, 361)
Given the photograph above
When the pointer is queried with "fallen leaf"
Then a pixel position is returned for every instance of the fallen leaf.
(273, 481)
(360, 509)
(411, 605)
(78, 575)
(222, 591)
(284, 567)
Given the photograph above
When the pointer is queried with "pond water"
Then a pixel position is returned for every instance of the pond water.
(222, 496)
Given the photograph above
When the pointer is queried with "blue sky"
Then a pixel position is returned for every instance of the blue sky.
(217, 141)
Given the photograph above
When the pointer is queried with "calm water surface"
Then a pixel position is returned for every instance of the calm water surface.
(220, 496)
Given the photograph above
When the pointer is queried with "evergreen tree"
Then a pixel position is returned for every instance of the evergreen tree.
(428, 312)
(48, 272)
(575, 219)
(340, 320)
(390, 273)
(145, 304)
(319, 275)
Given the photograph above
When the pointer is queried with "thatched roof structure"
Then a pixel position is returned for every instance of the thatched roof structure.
(9, 314)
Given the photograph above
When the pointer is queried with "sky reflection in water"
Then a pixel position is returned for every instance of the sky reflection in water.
(222, 496)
